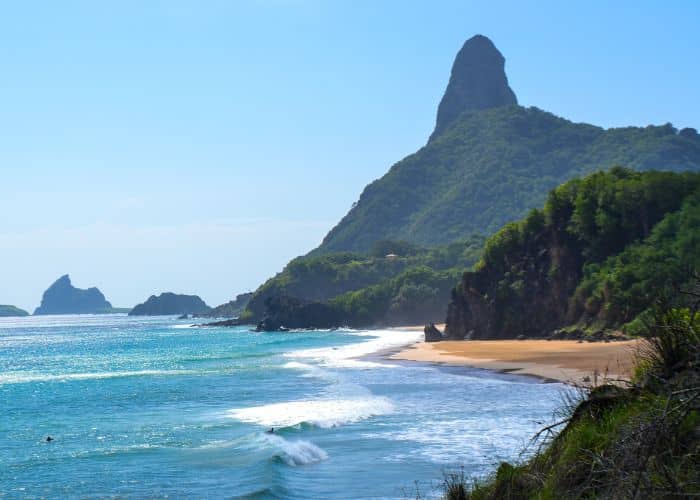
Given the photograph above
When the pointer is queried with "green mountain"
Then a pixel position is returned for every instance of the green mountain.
(489, 161)
(593, 259)
(6, 311)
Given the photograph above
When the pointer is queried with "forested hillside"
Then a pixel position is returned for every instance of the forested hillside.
(592, 259)
(395, 283)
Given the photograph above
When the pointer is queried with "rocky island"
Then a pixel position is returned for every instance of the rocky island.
(8, 311)
(63, 298)
(168, 303)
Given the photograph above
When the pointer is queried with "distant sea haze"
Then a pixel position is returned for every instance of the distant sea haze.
(150, 406)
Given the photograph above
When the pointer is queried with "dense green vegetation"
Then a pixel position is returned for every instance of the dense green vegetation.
(594, 257)
(491, 167)
(6, 310)
(394, 283)
(634, 441)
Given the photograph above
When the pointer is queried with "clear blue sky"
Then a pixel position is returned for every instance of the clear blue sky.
(196, 147)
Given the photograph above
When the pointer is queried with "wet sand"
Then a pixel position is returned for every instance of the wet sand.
(567, 361)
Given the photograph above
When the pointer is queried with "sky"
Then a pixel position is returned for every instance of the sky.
(196, 147)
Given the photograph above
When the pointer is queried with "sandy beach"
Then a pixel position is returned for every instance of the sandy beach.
(556, 360)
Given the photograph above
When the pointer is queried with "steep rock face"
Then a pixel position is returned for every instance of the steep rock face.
(170, 303)
(478, 81)
(63, 298)
(548, 268)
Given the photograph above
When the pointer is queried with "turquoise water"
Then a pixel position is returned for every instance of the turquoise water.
(152, 408)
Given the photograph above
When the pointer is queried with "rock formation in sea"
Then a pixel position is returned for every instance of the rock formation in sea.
(478, 81)
(7, 311)
(63, 298)
(170, 303)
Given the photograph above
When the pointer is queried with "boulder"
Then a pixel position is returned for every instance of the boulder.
(432, 334)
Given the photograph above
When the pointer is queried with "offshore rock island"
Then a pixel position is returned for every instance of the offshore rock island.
(168, 303)
(63, 298)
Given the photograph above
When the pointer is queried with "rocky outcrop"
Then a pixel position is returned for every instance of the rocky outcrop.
(432, 334)
(232, 308)
(170, 303)
(284, 313)
(478, 81)
(8, 311)
(63, 298)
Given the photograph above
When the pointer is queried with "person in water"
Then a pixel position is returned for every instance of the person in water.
(271, 430)
(49, 439)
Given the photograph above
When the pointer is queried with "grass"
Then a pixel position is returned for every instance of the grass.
(639, 441)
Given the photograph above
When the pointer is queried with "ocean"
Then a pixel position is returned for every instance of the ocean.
(151, 407)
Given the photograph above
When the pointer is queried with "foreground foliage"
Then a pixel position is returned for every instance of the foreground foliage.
(640, 441)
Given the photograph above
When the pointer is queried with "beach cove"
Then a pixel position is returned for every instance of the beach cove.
(567, 361)
(152, 407)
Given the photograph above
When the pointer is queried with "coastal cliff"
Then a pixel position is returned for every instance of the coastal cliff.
(170, 303)
(592, 259)
(63, 298)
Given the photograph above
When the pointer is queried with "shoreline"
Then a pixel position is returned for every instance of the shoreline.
(565, 361)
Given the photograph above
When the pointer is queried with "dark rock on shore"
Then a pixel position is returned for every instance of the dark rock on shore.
(284, 313)
(226, 322)
(432, 334)
(63, 298)
(170, 303)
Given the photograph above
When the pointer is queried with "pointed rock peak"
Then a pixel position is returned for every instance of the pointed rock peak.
(63, 281)
(478, 81)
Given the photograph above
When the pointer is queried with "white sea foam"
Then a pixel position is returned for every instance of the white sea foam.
(298, 452)
(292, 452)
(322, 412)
(347, 356)
(24, 377)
